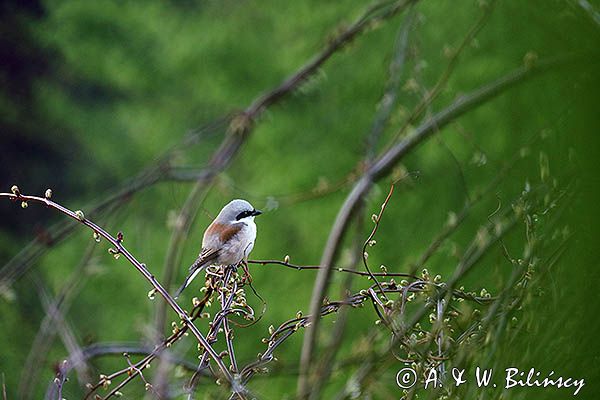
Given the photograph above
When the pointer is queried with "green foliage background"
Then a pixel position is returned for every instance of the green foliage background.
(92, 92)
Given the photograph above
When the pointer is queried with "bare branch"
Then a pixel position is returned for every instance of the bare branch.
(156, 352)
(316, 267)
(369, 242)
(378, 170)
(376, 12)
(119, 249)
(326, 361)
(117, 349)
(477, 249)
(47, 331)
(242, 123)
(390, 95)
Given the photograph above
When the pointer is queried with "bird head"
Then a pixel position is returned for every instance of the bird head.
(238, 210)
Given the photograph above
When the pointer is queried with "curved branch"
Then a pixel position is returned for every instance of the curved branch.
(118, 349)
(382, 166)
(119, 249)
(162, 169)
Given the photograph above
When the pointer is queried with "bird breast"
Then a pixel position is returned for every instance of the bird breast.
(235, 241)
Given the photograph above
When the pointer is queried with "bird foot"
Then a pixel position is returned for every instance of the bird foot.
(247, 278)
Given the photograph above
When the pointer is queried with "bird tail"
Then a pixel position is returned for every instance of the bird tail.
(189, 280)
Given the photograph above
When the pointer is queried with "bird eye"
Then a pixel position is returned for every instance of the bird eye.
(243, 214)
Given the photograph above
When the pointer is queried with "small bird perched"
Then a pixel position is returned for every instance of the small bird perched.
(228, 240)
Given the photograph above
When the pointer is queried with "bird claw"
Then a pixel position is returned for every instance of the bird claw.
(247, 278)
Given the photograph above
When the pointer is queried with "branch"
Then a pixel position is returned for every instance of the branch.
(219, 320)
(243, 123)
(432, 94)
(589, 10)
(384, 110)
(46, 334)
(475, 252)
(115, 349)
(379, 169)
(65, 330)
(162, 169)
(369, 242)
(326, 361)
(119, 249)
(376, 12)
(58, 232)
(390, 95)
(157, 351)
(316, 267)
(289, 327)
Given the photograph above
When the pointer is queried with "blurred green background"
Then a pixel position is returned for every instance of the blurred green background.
(94, 92)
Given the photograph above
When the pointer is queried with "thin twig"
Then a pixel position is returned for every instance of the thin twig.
(379, 169)
(390, 95)
(242, 125)
(368, 242)
(219, 319)
(385, 107)
(474, 254)
(432, 94)
(162, 169)
(340, 269)
(116, 197)
(46, 334)
(119, 249)
(118, 349)
(65, 330)
(155, 352)
(326, 362)
(278, 336)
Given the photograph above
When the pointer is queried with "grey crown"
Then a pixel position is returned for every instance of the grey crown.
(233, 209)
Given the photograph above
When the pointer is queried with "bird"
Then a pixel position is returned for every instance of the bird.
(228, 240)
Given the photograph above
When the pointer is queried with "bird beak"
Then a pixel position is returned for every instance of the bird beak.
(256, 212)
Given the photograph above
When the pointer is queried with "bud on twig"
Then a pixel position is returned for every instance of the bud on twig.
(80, 215)
(115, 253)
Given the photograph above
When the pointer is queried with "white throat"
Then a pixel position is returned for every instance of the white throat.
(248, 220)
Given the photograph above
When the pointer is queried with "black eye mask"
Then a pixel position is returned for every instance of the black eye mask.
(250, 213)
